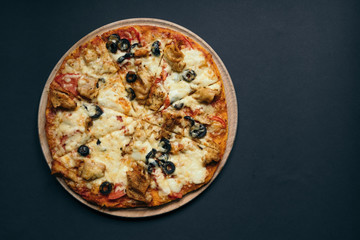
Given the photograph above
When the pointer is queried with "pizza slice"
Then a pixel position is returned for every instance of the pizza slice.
(67, 128)
(90, 73)
(170, 165)
(97, 169)
(138, 55)
(202, 123)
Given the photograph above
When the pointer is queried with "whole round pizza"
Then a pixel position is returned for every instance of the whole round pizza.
(136, 117)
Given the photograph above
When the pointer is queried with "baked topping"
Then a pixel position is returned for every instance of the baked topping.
(205, 95)
(165, 145)
(111, 46)
(155, 48)
(87, 87)
(167, 166)
(92, 170)
(174, 57)
(178, 105)
(131, 77)
(123, 44)
(138, 183)
(83, 150)
(114, 38)
(197, 130)
(126, 56)
(105, 188)
(94, 111)
(131, 94)
(61, 99)
(189, 75)
(98, 112)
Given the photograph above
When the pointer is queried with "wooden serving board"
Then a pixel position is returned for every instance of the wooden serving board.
(230, 99)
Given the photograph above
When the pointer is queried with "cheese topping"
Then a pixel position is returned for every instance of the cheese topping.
(111, 121)
(189, 169)
(179, 88)
(152, 63)
(114, 96)
(109, 152)
(71, 129)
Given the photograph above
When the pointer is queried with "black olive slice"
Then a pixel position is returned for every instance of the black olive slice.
(114, 38)
(102, 80)
(192, 122)
(131, 77)
(163, 157)
(189, 75)
(111, 46)
(178, 105)
(126, 56)
(155, 48)
(168, 167)
(123, 44)
(105, 188)
(98, 142)
(151, 167)
(98, 112)
(131, 94)
(198, 131)
(165, 144)
(150, 154)
(135, 45)
(83, 150)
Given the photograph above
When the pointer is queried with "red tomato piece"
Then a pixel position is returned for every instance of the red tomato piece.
(175, 195)
(69, 82)
(220, 120)
(116, 194)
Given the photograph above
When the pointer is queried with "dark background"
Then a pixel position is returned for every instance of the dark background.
(293, 171)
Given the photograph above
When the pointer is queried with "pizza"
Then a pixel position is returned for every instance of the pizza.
(136, 117)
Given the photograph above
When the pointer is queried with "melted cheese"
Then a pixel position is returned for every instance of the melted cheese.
(205, 76)
(188, 163)
(109, 152)
(152, 65)
(189, 169)
(71, 129)
(114, 96)
(193, 58)
(111, 121)
(177, 88)
(95, 66)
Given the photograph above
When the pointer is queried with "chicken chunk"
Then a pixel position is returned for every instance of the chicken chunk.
(92, 170)
(205, 95)
(90, 55)
(211, 155)
(87, 87)
(143, 84)
(138, 183)
(141, 52)
(174, 57)
(61, 99)
(156, 98)
(57, 168)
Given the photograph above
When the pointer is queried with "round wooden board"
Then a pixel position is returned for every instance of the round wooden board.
(231, 104)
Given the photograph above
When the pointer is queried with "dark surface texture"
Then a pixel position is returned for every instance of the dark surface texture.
(293, 171)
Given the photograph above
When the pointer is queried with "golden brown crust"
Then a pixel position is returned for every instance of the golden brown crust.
(137, 195)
